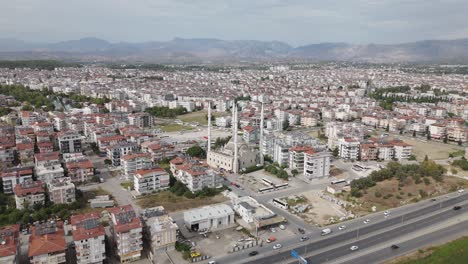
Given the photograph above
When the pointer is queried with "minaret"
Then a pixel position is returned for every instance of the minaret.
(236, 159)
(209, 128)
(261, 135)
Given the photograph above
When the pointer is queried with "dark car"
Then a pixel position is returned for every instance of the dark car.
(457, 207)
(302, 231)
(253, 253)
(394, 247)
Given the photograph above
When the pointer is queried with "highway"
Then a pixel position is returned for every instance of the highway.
(400, 222)
(430, 239)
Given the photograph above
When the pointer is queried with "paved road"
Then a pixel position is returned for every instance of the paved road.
(435, 237)
(355, 229)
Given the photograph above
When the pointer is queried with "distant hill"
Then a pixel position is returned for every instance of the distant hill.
(216, 50)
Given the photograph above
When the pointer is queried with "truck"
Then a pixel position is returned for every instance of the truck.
(326, 231)
(271, 239)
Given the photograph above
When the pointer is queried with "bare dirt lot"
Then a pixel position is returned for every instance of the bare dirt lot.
(172, 202)
(320, 211)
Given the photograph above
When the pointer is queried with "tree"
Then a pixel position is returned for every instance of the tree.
(27, 107)
(336, 152)
(107, 162)
(294, 172)
(414, 133)
(445, 139)
(196, 151)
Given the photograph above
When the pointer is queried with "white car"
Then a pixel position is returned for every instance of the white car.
(353, 248)
(366, 221)
(342, 227)
(461, 190)
(273, 230)
(277, 246)
(386, 213)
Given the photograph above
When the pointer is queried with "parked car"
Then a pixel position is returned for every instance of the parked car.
(304, 238)
(253, 253)
(394, 247)
(300, 230)
(457, 207)
(366, 221)
(354, 248)
(342, 227)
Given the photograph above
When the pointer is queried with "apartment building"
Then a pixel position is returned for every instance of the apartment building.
(48, 166)
(223, 121)
(438, 131)
(196, 175)
(61, 191)
(13, 176)
(160, 230)
(296, 157)
(316, 165)
(250, 134)
(89, 238)
(141, 120)
(126, 229)
(47, 243)
(9, 244)
(135, 161)
(150, 180)
(69, 141)
(81, 170)
(7, 153)
(29, 193)
(115, 152)
(348, 148)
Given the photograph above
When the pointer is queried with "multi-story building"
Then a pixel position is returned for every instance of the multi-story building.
(160, 230)
(69, 141)
(281, 153)
(126, 229)
(196, 175)
(141, 119)
(81, 170)
(136, 161)
(316, 165)
(438, 131)
(13, 176)
(296, 157)
(115, 152)
(369, 151)
(61, 191)
(88, 237)
(402, 150)
(29, 193)
(9, 244)
(223, 121)
(7, 153)
(251, 134)
(25, 153)
(48, 166)
(47, 243)
(150, 180)
(348, 148)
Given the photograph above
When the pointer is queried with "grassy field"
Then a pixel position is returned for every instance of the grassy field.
(172, 202)
(387, 194)
(434, 151)
(199, 116)
(455, 252)
(174, 127)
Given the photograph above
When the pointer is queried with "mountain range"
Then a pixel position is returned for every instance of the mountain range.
(216, 50)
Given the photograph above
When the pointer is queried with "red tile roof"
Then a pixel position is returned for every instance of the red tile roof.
(27, 188)
(10, 236)
(48, 243)
(80, 164)
(80, 232)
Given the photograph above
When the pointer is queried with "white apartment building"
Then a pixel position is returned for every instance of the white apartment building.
(281, 153)
(115, 152)
(126, 229)
(150, 180)
(348, 148)
(223, 121)
(88, 237)
(61, 191)
(161, 231)
(197, 176)
(28, 194)
(14, 176)
(316, 165)
(69, 142)
(402, 150)
(136, 161)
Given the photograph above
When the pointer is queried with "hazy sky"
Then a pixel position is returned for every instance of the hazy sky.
(294, 21)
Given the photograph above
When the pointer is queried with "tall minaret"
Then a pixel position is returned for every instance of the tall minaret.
(236, 158)
(209, 128)
(261, 135)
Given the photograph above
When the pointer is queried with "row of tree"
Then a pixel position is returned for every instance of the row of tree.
(164, 111)
(36, 64)
(278, 171)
